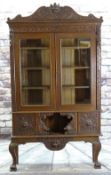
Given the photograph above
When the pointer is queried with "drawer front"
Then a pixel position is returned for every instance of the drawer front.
(24, 124)
(88, 123)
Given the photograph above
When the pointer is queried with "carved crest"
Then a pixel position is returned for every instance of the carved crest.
(55, 12)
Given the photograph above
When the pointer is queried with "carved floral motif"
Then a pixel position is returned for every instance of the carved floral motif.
(55, 143)
(24, 124)
(88, 123)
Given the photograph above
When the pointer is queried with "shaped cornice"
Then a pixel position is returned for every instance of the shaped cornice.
(55, 13)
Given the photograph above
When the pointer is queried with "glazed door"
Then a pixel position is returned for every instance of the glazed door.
(76, 72)
(35, 71)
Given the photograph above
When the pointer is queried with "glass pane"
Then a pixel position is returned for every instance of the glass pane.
(82, 77)
(82, 95)
(76, 77)
(35, 71)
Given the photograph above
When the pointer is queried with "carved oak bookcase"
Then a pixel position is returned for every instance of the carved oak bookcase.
(55, 75)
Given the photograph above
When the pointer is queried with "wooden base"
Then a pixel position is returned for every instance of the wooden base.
(54, 143)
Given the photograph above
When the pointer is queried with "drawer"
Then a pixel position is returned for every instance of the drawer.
(88, 123)
(24, 124)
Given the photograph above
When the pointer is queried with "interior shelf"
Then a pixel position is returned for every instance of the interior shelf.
(34, 48)
(36, 68)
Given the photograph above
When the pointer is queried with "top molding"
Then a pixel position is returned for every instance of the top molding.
(55, 13)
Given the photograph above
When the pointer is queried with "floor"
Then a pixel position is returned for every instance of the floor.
(75, 157)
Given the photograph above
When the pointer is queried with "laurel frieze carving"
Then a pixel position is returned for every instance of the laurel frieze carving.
(58, 27)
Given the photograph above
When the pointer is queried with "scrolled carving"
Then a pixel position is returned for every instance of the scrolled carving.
(56, 123)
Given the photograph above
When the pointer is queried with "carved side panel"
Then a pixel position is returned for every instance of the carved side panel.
(24, 124)
(99, 67)
(88, 123)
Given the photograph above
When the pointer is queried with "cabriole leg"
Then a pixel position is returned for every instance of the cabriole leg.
(96, 149)
(14, 153)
